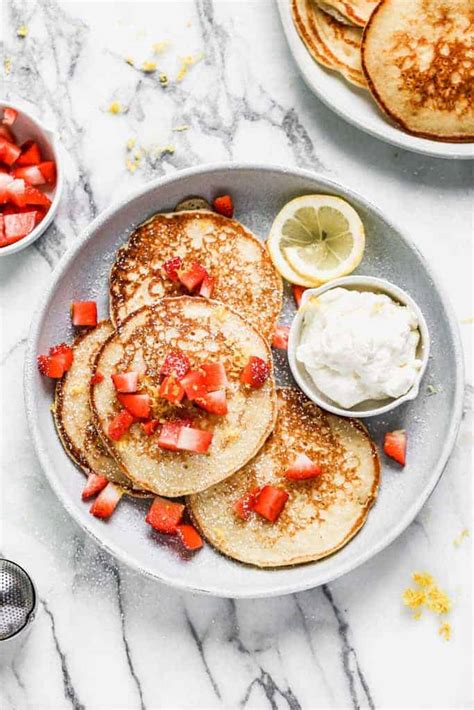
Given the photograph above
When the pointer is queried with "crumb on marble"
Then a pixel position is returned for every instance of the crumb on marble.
(180, 129)
(462, 536)
(148, 67)
(427, 595)
(22, 31)
(163, 79)
(115, 107)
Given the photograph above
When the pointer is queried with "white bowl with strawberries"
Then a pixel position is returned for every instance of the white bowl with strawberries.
(30, 178)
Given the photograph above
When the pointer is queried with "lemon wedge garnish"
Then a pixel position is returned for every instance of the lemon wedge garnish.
(316, 238)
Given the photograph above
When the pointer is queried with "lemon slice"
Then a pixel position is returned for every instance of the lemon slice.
(316, 238)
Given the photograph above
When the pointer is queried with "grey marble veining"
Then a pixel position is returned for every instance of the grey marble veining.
(105, 637)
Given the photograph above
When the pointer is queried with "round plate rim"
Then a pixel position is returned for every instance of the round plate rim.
(400, 139)
(41, 450)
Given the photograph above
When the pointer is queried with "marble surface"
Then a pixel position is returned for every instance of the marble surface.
(105, 637)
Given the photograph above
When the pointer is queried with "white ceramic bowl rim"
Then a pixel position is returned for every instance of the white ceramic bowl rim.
(371, 283)
(221, 590)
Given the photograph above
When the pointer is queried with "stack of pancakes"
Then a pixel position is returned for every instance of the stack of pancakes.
(416, 57)
(264, 428)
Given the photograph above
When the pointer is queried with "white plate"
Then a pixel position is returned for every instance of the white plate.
(259, 192)
(356, 105)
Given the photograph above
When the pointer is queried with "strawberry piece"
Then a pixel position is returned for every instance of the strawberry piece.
(120, 424)
(196, 440)
(270, 502)
(169, 433)
(207, 286)
(244, 505)
(164, 515)
(171, 390)
(9, 116)
(138, 405)
(84, 313)
(93, 486)
(97, 377)
(171, 268)
(255, 372)
(36, 197)
(30, 174)
(150, 427)
(298, 293)
(395, 445)
(224, 205)
(302, 469)
(62, 353)
(192, 277)
(48, 170)
(50, 367)
(9, 152)
(125, 381)
(280, 337)
(213, 402)
(16, 192)
(6, 133)
(215, 377)
(106, 502)
(176, 363)
(30, 154)
(189, 537)
(5, 181)
(194, 384)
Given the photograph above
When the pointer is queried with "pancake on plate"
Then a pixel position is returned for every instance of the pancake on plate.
(321, 514)
(353, 12)
(205, 332)
(244, 275)
(72, 412)
(418, 57)
(331, 43)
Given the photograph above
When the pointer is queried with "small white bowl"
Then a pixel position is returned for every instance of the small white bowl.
(27, 127)
(369, 408)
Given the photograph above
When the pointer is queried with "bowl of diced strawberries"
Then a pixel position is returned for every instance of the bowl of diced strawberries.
(30, 178)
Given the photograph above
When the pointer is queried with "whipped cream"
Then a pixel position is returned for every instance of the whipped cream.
(359, 345)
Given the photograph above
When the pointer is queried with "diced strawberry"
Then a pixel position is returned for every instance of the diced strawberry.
(84, 313)
(30, 154)
(176, 363)
(172, 266)
(165, 515)
(97, 377)
(36, 197)
(255, 372)
(207, 286)
(30, 174)
(395, 445)
(193, 276)
(125, 381)
(244, 505)
(302, 469)
(224, 205)
(270, 502)
(194, 384)
(50, 367)
(138, 405)
(280, 337)
(171, 390)
(106, 502)
(94, 485)
(215, 377)
(6, 133)
(16, 192)
(5, 180)
(213, 402)
(150, 427)
(196, 440)
(298, 293)
(189, 537)
(63, 354)
(48, 170)
(169, 433)
(9, 152)
(9, 116)
(120, 424)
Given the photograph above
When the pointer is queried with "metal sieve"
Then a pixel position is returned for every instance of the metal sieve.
(17, 600)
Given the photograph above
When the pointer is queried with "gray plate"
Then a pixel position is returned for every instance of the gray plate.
(431, 421)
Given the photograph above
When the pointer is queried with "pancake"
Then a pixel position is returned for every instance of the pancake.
(246, 279)
(331, 43)
(321, 514)
(354, 12)
(72, 413)
(418, 58)
(204, 330)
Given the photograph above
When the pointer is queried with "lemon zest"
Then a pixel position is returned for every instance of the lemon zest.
(148, 67)
(130, 61)
(445, 630)
(179, 129)
(22, 31)
(115, 107)
(186, 63)
(462, 536)
(160, 47)
(7, 63)
(131, 143)
(163, 79)
(428, 595)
